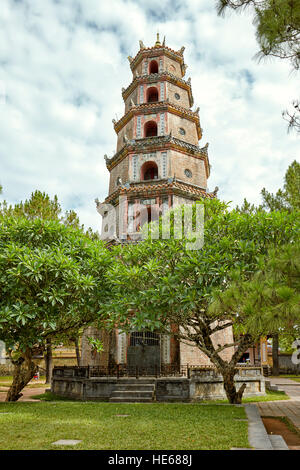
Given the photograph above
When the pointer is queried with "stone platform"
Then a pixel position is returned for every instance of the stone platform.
(200, 384)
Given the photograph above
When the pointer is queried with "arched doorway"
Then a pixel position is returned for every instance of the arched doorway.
(153, 67)
(152, 94)
(150, 129)
(149, 171)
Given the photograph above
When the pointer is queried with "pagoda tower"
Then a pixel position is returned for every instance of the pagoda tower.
(158, 164)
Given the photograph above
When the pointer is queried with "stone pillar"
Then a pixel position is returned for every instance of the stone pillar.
(165, 349)
(121, 347)
(2, 353)
(90, 357)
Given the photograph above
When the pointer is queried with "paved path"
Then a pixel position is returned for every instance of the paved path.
(289, 408)
(27, 393)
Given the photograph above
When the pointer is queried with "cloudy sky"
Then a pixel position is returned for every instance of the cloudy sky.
(63, 64)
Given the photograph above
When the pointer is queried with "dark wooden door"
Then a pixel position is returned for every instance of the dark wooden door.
(143, 353)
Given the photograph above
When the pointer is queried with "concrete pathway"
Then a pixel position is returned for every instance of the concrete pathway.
(289, 408)
(27, 393)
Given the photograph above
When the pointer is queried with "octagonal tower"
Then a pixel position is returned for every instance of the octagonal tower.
(158, 162)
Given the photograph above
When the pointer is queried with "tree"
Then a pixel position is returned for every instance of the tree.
(52, 282)
(158, 283)
(41, 206)
(278, 35)
(270, 299)
(292, 116)
(287, 198)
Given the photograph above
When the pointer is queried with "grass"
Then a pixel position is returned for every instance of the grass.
(6, 381)
(270, 396)
(155, 426)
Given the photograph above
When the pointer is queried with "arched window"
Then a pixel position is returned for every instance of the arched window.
(153, 67)
(152, 94)
(150, 129)
(149, 171)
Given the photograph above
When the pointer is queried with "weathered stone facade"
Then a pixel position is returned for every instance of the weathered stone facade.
(200, 384)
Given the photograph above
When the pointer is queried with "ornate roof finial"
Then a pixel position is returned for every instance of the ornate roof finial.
(215, 191)
(142, 45)
(164, 41)
(157, 44)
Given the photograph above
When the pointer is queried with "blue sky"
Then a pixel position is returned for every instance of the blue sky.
(63, 64)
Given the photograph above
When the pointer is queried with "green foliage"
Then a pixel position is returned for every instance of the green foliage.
(51, 280)
(41, 206)
(160, 282)
(96, 344)
(269, 301)
(287, 198)
(277, 25)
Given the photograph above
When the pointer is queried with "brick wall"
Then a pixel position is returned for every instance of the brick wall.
(192, 355)
(179, 162)
(176, 122)
(184, 97)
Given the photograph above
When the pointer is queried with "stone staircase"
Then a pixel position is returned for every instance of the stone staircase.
(132, 390)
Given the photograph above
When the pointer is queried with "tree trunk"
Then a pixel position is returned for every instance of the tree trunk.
(233, 396)
(48, 361)
(24, 370)
(275, 346)
(77, 351)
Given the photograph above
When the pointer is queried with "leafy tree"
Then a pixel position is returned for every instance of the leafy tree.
(52, 282)
(41, 206)
(289, 197)
(158, 283)
(278, 35)
(270, 299)
(277, 26)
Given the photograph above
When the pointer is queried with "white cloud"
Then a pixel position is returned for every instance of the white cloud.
(63, 64)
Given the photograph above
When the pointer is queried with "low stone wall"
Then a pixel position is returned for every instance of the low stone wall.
(286, 365)
(201, 385)
(208, 384)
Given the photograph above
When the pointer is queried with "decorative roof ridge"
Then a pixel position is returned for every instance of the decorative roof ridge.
(156, 104)
(158, 75)
(152, 141)
(148, 50)
(166, 183)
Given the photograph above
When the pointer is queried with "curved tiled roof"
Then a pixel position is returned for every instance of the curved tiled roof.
(148, 51)
(158, 187)
(159, 105)
(153, 77)
(156, 142)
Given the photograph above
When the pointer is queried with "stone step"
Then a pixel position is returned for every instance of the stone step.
(133, 380)
(135, 386)
(278, 443)
(132, 393)
(130, 400)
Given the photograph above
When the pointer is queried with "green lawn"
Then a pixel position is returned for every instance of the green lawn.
(152, 426)
(270, 396)
(6, 380)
